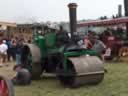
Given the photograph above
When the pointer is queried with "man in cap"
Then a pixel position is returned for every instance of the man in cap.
(97, 45)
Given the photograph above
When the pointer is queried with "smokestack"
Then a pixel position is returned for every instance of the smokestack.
(120, 10)
(126, 7)
(126, 13)
(73, 21)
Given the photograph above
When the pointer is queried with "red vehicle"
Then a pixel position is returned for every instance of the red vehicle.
(6, 87)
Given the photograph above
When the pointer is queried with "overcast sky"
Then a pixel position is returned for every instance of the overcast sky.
(55, 10)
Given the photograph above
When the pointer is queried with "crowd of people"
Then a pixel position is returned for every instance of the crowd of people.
(94, 42)
(107, 44)
(10, 50)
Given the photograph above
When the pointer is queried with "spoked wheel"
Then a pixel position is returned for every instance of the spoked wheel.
(6, 87)
(31, 60)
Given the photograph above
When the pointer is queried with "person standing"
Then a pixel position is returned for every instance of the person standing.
(13, 49)
(3, 52)
(19, 46)
(9, 51)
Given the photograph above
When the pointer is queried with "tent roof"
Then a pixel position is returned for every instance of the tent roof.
(105, 22)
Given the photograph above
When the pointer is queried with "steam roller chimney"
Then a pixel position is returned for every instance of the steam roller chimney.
(73, 21)
(120, 10)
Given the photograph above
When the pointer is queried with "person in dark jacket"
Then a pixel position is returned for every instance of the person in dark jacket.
(9, 51)
(19, 46)
(62, 37)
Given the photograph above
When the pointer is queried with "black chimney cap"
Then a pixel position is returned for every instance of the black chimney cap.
(72, 5)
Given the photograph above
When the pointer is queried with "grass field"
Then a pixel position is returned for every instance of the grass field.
(115, 83)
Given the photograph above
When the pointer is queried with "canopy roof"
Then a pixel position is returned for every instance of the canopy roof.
(105, 22)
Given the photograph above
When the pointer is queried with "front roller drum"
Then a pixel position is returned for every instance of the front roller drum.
(31, 60)
(6, 87)
(82, 70)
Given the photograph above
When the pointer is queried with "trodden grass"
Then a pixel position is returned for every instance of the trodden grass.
(115, 83)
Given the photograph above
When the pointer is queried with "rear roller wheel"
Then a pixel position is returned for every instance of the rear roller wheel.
(31, 59)
(6, 87)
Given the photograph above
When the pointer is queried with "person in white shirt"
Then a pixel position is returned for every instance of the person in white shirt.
(3, 52)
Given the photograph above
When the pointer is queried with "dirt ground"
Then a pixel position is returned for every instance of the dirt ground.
(115, 83)
(8, 70)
